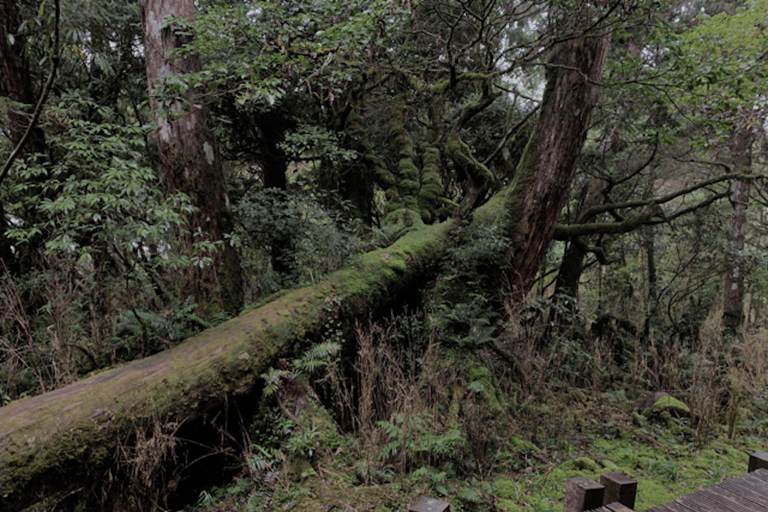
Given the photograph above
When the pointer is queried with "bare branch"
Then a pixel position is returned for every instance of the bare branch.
(610, 207)
(510, 132)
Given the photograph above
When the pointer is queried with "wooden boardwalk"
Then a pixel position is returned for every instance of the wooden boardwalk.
(745, 493)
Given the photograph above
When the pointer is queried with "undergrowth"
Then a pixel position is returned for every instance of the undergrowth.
(485, 405)
(492, 407)
(412, 416)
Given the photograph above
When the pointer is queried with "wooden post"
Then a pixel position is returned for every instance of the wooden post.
(619, 488)
(582, 493)
(758, 460)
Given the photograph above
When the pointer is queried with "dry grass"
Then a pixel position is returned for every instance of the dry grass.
(18, 349)
(55, 342)
(418, 392)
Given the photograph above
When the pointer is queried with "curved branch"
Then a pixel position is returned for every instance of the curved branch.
(478, 175)
(596, 210)
(610, 228)
(509, 133)
(612, 184)
(598, 251)
(651, 214)
(685, 211)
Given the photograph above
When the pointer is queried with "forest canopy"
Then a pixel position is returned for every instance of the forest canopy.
(598, 167)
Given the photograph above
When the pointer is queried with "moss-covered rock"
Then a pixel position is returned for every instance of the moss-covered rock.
(667, 403)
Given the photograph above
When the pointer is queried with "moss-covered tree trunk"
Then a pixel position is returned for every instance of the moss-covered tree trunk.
(543, 177)
(479, 178)
(68, 438)
(191, 164)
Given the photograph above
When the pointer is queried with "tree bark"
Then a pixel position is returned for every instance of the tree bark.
(59, 440)
(652, 304)
(543, 177)
(733, 284)
(16, 84)
(191, 163)
(571, 268)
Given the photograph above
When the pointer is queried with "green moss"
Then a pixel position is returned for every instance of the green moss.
(515, 203)
(522, 445)
(409, 175)
(667, 404)
(367, 155)
(431, 186)
(585, 464)
(440, 88)
(482, 379)
(403, 218)
(461, 155)
(506, 505)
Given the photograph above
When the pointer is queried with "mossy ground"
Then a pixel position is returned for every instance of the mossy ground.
(543, 444)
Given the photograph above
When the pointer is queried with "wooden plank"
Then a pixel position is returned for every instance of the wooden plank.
(745, 493)
(736, 495)
(752, 487)
(731, 501)
(660, 508)
(672, 506)
(617, 507)
(706, 501)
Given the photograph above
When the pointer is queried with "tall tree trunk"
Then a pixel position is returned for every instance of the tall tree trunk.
(733, 287)
(571, 268)
(16, 84)
(543, 177)
(191, 163)
(15, 81)
(652, 306)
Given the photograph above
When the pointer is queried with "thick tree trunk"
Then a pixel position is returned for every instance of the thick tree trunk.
(15, 80)
(191, 164)
(571, 268)
(544, 175)
(733, 286)
(16, 84)
(63, 439)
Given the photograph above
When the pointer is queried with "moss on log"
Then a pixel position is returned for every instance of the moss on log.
(56, 441)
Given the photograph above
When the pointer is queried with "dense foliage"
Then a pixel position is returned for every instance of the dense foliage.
(341, 126)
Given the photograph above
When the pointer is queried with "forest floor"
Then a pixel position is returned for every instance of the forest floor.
(518, 458)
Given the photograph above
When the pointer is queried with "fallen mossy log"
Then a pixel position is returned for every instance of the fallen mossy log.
(56, 441)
